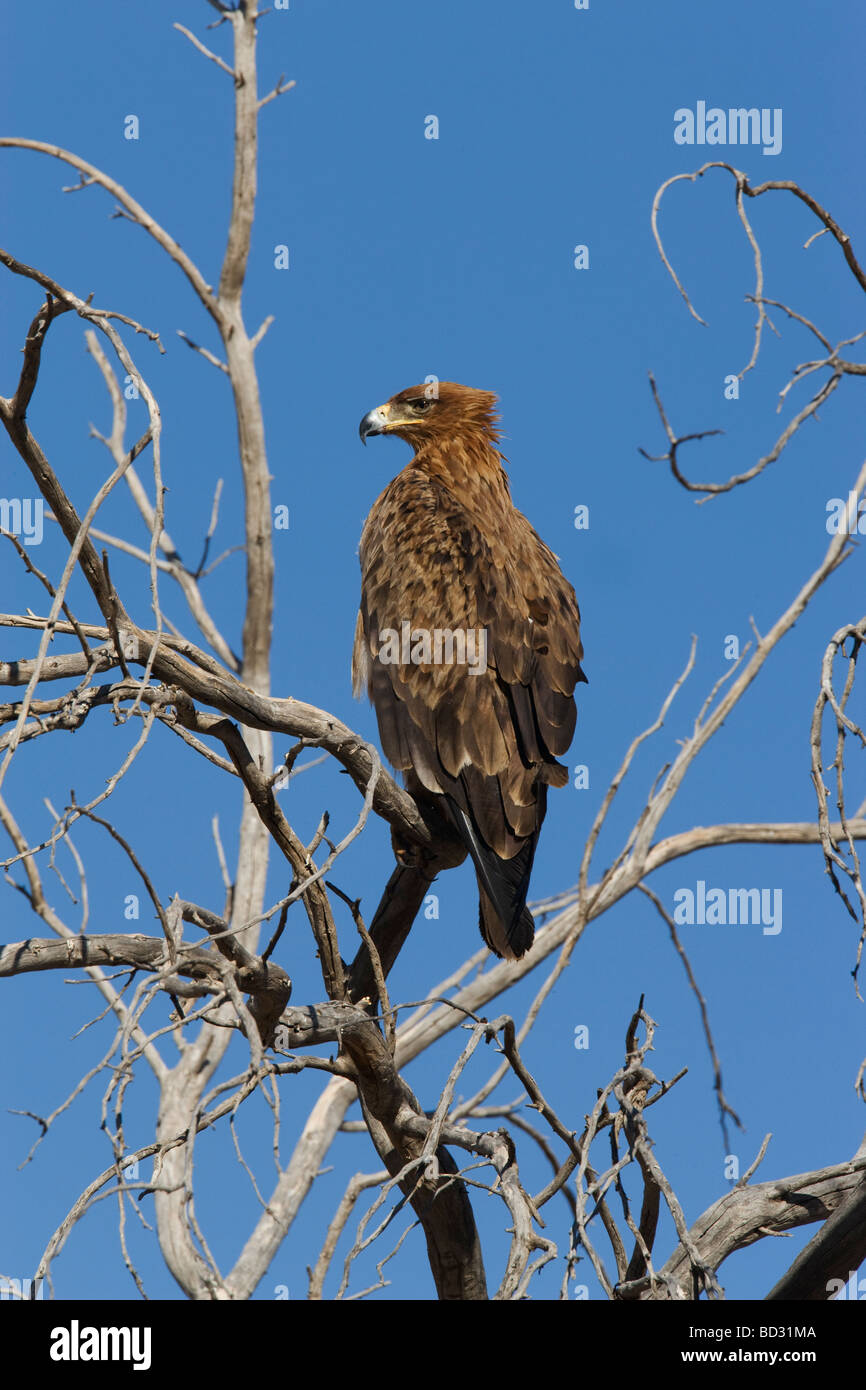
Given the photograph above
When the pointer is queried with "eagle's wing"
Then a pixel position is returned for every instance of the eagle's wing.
(484, 735)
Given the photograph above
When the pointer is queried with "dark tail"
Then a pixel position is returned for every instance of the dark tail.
(510, 944)
(505, 920)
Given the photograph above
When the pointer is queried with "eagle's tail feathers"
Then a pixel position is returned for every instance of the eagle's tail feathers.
(505, 921)
(511, 945)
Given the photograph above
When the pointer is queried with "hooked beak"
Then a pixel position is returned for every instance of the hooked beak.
(374, 422)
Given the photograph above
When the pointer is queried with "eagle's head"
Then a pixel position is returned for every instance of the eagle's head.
(434, 411)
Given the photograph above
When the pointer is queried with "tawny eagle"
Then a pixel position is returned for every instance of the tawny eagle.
(468, 641)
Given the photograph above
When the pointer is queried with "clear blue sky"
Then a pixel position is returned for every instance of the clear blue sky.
(454, 257)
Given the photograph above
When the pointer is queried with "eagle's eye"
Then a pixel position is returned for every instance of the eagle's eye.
(421, 405)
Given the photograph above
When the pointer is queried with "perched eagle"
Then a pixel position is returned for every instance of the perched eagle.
(468, 641)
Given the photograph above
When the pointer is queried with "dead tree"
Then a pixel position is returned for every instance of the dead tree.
(222, 971)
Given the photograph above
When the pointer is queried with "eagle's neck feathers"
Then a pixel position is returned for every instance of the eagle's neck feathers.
(468, 465)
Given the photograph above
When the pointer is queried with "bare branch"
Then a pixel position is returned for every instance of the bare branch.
(133, 210)
(197, 43)
(281, 86)
(205, 353)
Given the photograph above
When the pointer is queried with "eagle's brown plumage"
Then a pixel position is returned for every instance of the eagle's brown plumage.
(445, 549)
